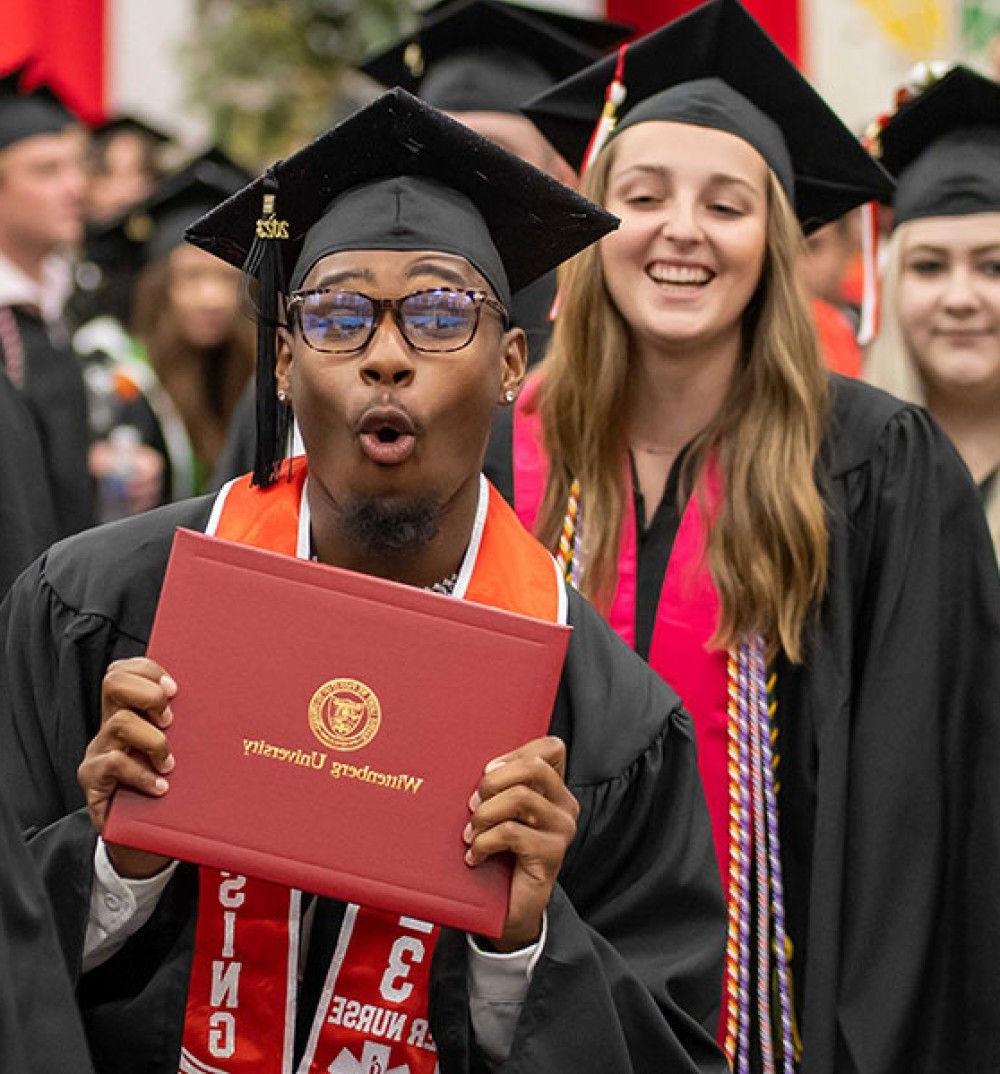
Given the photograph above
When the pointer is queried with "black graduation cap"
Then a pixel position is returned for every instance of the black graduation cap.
(484, 55)
(150, 230)
(126, 121)
(716, 67)
(397, 175)
(943, 147)
(598, 34)
(25, 113)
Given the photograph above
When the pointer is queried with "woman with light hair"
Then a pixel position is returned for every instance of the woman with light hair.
(939, 342)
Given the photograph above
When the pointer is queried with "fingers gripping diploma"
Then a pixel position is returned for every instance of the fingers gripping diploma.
(130, 750)
(522, 806)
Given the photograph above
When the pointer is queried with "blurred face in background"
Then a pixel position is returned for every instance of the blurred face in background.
(121, 174)
(204, 293)
(825, 260)
(949, 302)
(42, 183)
(521, 137)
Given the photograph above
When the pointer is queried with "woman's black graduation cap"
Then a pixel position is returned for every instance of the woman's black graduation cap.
(127, 122)
(486, 55)
(943, 147)
(397, 175)
(25, 113)
(716, 67)
(150, 230)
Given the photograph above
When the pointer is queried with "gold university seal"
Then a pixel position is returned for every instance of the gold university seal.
(345, 714)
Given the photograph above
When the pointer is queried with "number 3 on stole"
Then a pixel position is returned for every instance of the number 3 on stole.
(407, 952)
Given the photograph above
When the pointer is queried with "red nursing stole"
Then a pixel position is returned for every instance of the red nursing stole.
(372, 1015)
(686, 616)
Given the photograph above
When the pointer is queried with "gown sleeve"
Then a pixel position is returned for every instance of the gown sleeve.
(40, 1030)
(630, 976)
(54, 658)
(908, 826)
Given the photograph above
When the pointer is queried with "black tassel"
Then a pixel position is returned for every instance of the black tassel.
(264, 268)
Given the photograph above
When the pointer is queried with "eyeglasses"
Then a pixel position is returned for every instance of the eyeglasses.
(437, 321)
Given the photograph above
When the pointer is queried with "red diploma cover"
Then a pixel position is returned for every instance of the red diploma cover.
(329, 729)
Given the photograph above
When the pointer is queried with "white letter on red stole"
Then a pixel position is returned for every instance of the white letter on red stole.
(222, 1035)
(225, 983)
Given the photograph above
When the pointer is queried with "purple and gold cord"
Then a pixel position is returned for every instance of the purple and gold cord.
(768, 766)
(753, 817)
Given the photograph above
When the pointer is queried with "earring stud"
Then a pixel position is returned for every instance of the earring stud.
(282, 397)
(510, 395)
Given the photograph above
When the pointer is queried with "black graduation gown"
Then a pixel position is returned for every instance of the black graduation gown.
(53, 388)
(40, 1030)
(27, 521)
(631, 971)
(889, 744)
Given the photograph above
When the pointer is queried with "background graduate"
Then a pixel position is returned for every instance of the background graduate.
(408, 234)
(27, 517)
(939, 339)
(802, 558)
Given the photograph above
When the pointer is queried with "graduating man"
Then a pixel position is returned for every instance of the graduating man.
(407, 234)
(479, 61)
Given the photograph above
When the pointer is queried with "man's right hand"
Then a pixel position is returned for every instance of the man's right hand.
(130, 750)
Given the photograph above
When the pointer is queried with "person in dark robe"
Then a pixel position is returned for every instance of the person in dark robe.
(27, 519)
(803, 558)
(397, 348)
(41, 219)
(939, 330)
(186, 345)
(40, 1030)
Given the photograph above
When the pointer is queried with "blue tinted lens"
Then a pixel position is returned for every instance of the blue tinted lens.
(336, 319)
(439, 318)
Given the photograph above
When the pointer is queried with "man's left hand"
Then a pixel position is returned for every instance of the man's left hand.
(523, 806)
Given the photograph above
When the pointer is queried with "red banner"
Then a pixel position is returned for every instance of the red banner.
(780, 18)
(65, 40)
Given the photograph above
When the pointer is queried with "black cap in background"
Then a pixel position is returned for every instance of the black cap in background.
(26, 113)
(943, 147)
(716, 67)
(151, 229)
(490, 56)
(132, 124)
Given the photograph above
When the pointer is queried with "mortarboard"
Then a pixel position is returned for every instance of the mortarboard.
(133, 125)
(25, 113)
(598, 34)
(715, 67)
(397, 175)
(943, 147)
(486, 55)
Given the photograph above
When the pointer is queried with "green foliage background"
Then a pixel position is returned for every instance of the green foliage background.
(271, 74)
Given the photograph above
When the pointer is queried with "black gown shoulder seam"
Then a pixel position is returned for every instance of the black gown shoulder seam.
(628, 772)
(48, 584)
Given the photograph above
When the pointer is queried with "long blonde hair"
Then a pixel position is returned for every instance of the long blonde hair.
(889, 365)
(767, 546)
